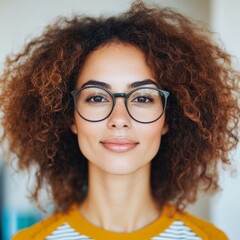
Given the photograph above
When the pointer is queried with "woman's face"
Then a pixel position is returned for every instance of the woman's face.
(118, 144)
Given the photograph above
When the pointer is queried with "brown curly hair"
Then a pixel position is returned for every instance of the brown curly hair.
(202, 112)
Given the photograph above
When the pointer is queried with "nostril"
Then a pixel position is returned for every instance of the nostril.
(119, 120)
(119, 125)
(124, 126)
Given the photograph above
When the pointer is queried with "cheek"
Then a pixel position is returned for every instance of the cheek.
(154, 131)
(82, 128)
(86, 133)
(151, 136)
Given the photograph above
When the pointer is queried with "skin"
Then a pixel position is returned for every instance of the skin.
(118, 182)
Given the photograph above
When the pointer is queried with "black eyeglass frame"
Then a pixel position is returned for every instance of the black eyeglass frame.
(163, 93)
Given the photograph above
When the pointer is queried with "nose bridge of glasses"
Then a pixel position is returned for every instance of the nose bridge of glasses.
(119, 95)
(122, 103)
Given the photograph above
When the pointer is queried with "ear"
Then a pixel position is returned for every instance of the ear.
(165, 129)
(73, 127)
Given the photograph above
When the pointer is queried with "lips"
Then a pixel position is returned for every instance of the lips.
(119, 144)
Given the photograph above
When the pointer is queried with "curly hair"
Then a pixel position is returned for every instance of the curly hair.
(202, 112)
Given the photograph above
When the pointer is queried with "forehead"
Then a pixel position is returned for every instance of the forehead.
(115, 64)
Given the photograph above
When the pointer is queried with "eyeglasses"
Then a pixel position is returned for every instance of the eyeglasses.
(144, 104)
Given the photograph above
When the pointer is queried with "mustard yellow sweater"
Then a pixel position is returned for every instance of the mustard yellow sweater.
(171, 224)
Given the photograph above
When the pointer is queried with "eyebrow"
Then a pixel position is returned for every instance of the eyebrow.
(131, 85)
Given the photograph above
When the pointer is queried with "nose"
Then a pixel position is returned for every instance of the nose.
(119, 117)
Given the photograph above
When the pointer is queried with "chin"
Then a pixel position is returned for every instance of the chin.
(120, 169)
(116, 165)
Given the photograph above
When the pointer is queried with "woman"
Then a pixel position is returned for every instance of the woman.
(125, 119)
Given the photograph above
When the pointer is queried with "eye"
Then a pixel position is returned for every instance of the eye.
(142, 99)
(96, 99)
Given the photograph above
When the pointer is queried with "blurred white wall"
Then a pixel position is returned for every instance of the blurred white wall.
(22, 20)
(225, 20)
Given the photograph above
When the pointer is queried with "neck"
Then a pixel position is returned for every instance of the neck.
(120, 203)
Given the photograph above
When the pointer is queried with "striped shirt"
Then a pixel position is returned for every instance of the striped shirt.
(178, 230)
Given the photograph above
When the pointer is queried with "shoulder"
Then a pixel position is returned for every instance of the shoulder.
(208, 228)
(202, 228)
(42, 229)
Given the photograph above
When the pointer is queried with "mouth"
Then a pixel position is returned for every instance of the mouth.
(119, 145)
